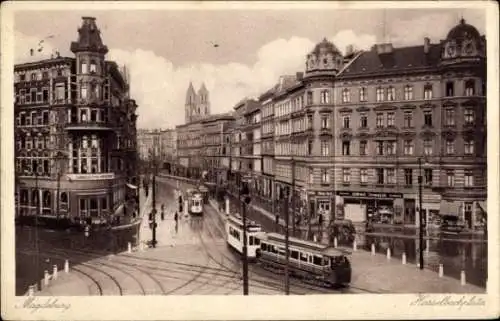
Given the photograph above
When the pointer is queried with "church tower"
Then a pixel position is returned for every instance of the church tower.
(203, 101)
(89, 51)
(190, 107)
(197, 105)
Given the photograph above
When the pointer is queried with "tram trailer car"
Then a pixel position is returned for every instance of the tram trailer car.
(234, 236)
(195, 202)
(316, 263)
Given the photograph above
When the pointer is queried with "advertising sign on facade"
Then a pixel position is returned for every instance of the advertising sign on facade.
(370, 194)
(90, 177)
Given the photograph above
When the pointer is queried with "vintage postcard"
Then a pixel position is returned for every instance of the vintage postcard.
(249, 160)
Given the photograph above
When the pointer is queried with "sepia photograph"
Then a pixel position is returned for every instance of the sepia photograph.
(216, 150)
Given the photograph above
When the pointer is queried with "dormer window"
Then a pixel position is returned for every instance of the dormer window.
(93, 67)
(469, 88)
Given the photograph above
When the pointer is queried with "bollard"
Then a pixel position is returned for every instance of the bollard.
(335, 242)
(54, 272)
(227, 206)
(66, 266)
(373, 249)
(403, 258)
(441, 271)
(354, 246)
(462, 277)
(46, 277)
(31, 290)
(129, 247)
(388, 254)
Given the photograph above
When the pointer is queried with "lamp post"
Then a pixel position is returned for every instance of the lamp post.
(245, 193)
(421, 218)
(37, 213)
(153, 211)
(60, 157)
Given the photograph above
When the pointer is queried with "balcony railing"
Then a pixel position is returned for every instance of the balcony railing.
(89, 125)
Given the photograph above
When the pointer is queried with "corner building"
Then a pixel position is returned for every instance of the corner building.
(396, 106)
(75, 134)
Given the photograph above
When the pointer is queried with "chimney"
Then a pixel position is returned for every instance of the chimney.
(349, 50)
(300, 75)
(427, 44)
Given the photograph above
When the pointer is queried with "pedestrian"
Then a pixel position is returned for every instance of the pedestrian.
(176, 217)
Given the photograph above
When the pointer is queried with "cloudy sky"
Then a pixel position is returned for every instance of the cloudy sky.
(166, 49)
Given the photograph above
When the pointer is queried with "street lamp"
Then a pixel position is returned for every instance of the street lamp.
(421, 217)
(244, 197)
(37, 213)
(153, 211)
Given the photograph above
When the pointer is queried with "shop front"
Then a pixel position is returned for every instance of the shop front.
(370, 207)
(320, 203)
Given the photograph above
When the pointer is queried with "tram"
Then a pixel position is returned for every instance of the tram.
(315, 263)
(234, 233)
(195, 202)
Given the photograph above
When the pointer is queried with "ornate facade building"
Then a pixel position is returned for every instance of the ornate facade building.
(75, 134)
(395, 107)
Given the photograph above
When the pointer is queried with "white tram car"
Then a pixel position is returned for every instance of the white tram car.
(316, 263)
(195, 202)
(234, 232)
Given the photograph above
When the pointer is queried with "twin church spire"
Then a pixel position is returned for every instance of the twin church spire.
(197, 104)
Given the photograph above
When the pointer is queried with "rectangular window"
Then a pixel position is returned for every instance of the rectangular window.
(380, 175)
(84, 68)
(83, 92)
(469, 88)
(427, 147)
(468, 179)
(325, 122)
(449, 116)
(325, 177)
(428, 118)
(363, 174)
(391, 176)
(450, 147)
(379, 120)
(325, 97)
(325, 148)
(408, 147)
(363, 121)
(408, 92)
(427, 92)
(408, 119)
(309, 147)
(33, 94)
(346, 122)
(346, 148)
(450, 177)
(346, 95)
(362, 147)
(346, 175)
(469, 147)
(391, 94)
(428, 176)
(391, 148)
(469, 116)
(309, 98)
(390, 119)
(362, 94)
(450, 89)
(408, 176)
(60, 94)
(380, 94)
(379, 147)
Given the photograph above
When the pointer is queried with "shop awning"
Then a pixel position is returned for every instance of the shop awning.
(131, 186)
(449, 208)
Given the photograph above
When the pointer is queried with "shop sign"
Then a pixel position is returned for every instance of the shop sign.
(91, 177)
(370, 194)
(319, 193)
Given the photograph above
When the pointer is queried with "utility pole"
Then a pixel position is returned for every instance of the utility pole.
(37, 213)
(287, 252)
(244, 202)
(421, 217)
(292, 200)
(153, 242)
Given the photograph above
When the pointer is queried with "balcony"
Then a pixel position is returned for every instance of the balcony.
(89, 125)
